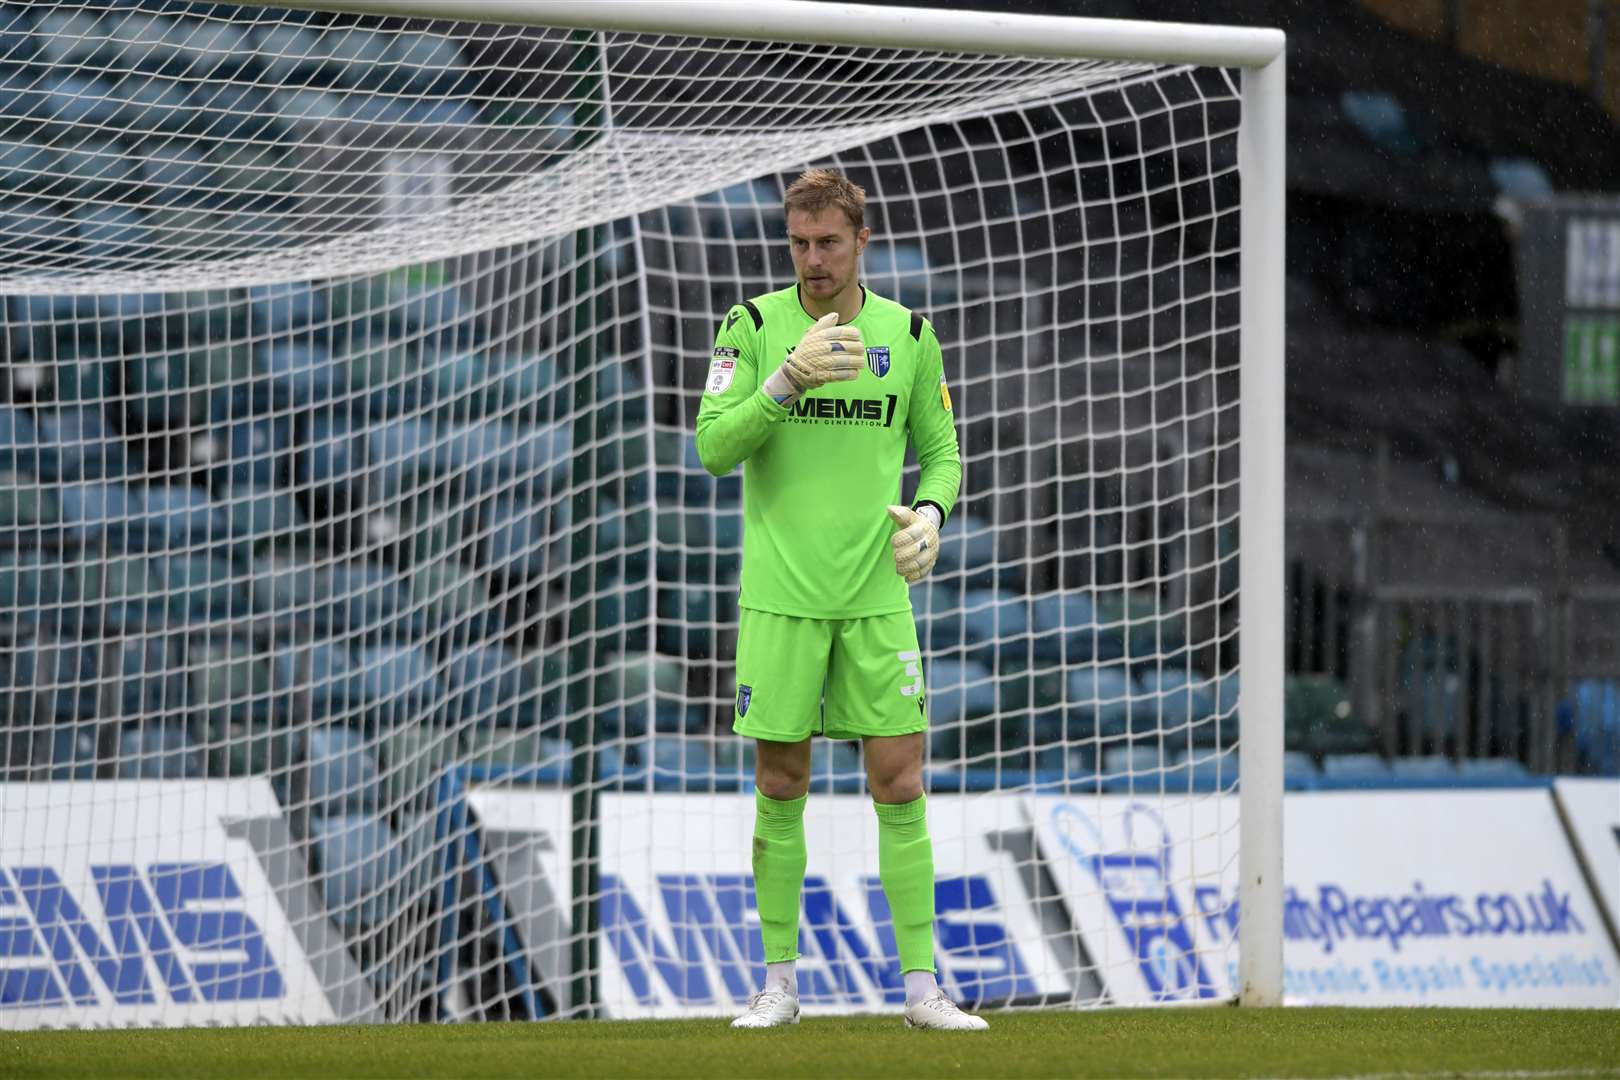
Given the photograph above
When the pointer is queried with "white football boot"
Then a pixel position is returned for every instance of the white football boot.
(771, 1007)
(938, 1011)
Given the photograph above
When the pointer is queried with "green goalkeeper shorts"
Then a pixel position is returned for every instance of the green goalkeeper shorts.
(842, 678)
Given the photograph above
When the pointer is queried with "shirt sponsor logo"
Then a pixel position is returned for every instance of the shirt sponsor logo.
(720, 373)
(877, 360)
(864, 412)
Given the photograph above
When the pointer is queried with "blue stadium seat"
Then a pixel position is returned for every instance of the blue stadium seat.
(207, 49)
(355, 56)
(27, 166)
(1185, 701)
(1067, 629)
(101, 514)
(1436, 768)
(287, 586)
(76, 444)
(995, 626)
(202, 588)
(19, 441)
(835, 766)
(260, 518)
(1485, 772)
(231, 682)
(403, 454)
(150, 104)
(73, 752)
(290, 55)
(110, 232)
(228, 112)
(17, 42)
(487, 685)
(163, 750)
(249, 450)
(341, 771)
(523, 390)
(365, 599)
(152, 680)
(425, 64)
(300, 372)
(1596, 722)
(29, 511)
(1139, 764)
(320, 677)
(36, 229)
(166, 391)
(497, 457)
(748, 210)
(116, 592)
(23, 95)
(1299, 771)
(180, 517)
(634, 688)
(455, 603)
(278, 310)
(48, 680)
(360, 866)
(1202, 770)
(1101, 701)
(400, 686)
(957, 691)
(967, 553)
(78, 102)
(900, 270)
(681, 763)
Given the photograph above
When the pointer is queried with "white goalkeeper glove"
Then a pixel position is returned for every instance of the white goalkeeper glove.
(827, 353)
(916, 545)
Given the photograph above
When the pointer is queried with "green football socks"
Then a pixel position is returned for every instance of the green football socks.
(779, 860)
(906, 866)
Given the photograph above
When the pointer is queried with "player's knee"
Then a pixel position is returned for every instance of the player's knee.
(899, 784)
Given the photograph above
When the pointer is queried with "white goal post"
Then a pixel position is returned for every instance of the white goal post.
(1262, 143)
(345, 423)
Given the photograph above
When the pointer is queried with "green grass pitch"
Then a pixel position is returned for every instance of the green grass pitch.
(1190, 1042)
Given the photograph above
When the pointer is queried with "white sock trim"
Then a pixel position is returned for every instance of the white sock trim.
(919, 985)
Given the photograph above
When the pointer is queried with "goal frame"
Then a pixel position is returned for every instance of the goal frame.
(1260, 53)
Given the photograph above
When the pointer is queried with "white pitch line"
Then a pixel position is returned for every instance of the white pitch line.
(1453, 1074)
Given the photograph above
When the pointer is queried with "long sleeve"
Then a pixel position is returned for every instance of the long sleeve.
(933, 430)
(736, 415)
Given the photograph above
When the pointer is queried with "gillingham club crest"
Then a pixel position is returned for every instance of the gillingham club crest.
(744, 693)
(877, 360)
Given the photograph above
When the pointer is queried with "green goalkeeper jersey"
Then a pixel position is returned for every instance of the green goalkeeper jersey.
(818, 475)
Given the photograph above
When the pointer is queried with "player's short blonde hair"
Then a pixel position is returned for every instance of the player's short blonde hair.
(817, 189)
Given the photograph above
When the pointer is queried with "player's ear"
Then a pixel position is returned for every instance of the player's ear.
(861, 238)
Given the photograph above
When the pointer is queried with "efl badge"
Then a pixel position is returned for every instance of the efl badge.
(877, 360)
(944, 394)
(745, 693)
(722, 367)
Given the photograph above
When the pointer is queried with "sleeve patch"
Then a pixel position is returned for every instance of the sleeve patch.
(944, 394)
(720, 372)
(725, 352)
(916, 326)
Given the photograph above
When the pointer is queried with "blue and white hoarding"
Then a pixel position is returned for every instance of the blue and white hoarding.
(680, 930)
(1591, 805)
(1390, 898)
(135, 903)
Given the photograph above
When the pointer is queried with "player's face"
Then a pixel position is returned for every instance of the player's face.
(826, 252)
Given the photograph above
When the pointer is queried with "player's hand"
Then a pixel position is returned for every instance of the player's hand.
(827, 353)
(916, 545)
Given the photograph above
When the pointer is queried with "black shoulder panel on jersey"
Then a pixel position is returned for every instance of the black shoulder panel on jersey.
(916, 326)
(753, 313)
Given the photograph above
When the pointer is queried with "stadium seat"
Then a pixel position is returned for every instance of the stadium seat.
(287, 585)
(253, 175)
(19, 441)
(957, 691)
(101, 514)
(299, 373)
(276, 311)
(152, 680)
(360, 865)
(35, 229)
(260, 518)
(487, 685)
(314, 683)
(355, 56)
(1299, 771)
(247, 450)
(97, 169)
(1491, 771)
(163, 750)
(231, 682)
(1202, 769)
(117, 592)
(29, 511)
(365, 599)
(174, 172)
(1066, 629)
(78, 102)
(179, 518)
(523, 541)
(1435, 768)
(17, 42)
(835, 766)
(899, 270)
(341, 774)
(201, 588)
(681, 762)
(1101, 701)
(27, 166)
(1137, 763)
(1185, 702)
(634, 693)
(424, 64)
(967, 553)
(76, 444)
(73, 753)
(750, 210)
(455, 604)
(1596, 723)
(289, 54)
(687, 615)
(166, 392)
(47, 680)
(995, 627)
(522, 389)
(399, 686)
(517, 755)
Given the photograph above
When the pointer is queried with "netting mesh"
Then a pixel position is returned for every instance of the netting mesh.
(350, 373)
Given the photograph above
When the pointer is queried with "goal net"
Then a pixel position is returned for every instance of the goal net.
(367, 620)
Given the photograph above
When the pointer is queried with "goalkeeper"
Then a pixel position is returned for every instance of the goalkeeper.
(816, 390)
